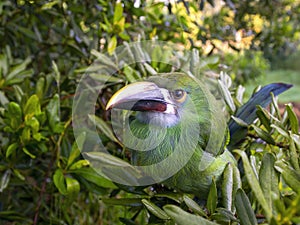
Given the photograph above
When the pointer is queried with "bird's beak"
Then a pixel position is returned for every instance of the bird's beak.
(142, 96)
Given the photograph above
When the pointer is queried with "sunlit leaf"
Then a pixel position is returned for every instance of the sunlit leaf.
(59, 181)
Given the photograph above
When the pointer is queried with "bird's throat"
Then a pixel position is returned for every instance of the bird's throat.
(158, 119)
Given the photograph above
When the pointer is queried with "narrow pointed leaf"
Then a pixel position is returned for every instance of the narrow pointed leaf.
(182, 217)
(212, 199)
(155, 210)
(227, 187)
(194, 206)
(291, 176)
(293, 119)
(254, 184)
(268, 178)
(244, 210)
(133, 202)
(263, 117)
(227, 96)
(264, 135)
(101, 124)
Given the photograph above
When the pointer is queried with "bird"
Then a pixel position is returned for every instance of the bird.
(176, 113)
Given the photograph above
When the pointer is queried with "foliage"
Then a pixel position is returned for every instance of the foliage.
(45, 49)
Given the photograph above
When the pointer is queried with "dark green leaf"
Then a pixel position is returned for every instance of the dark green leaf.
(263, 117)
(293, 119)
(182, 217)
(155, 210)
(194, 206)
(134, 202)
(263, 135)
(244, 210)
(92, 176)
(268, 178)
(212, 199)
(53, 114)
(254, 184)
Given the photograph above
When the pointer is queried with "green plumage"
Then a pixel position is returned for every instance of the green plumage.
(199, 135)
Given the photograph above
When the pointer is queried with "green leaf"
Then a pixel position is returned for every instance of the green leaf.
(59, 181)
(5, 180)
(223, 215)
(92, 176)
(263, 117)
(106, 78)
(290, 176)
(73, 188)
(293, 119)
(150, 70)
(102, 125)
(33, 123)
(227, 96)
(182, 217)
(3, 99)
(244, 210)
(112, 44)
(212, 199)
(268, 178)
(155, 210)
(53, 114)
(115, 168)
(17, 70)
(133, 202)
(131, 74)
(263, 135)
(280, 131)
(11, 149)
(294, 156)
(127, 221)
(40, 87)
(14, 216)
(227, 187)
(104, 59)
(18, 174)
(32, 106)
(254, 184)
(194, 206)
(118, 12)
(27, 152)
(239, 121)
(79, 164)
(76, 148)
(15, 115)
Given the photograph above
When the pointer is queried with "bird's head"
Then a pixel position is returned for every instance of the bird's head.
(160, 100)
(175, 100)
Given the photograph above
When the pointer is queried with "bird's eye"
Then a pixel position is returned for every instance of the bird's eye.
(179, 95)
